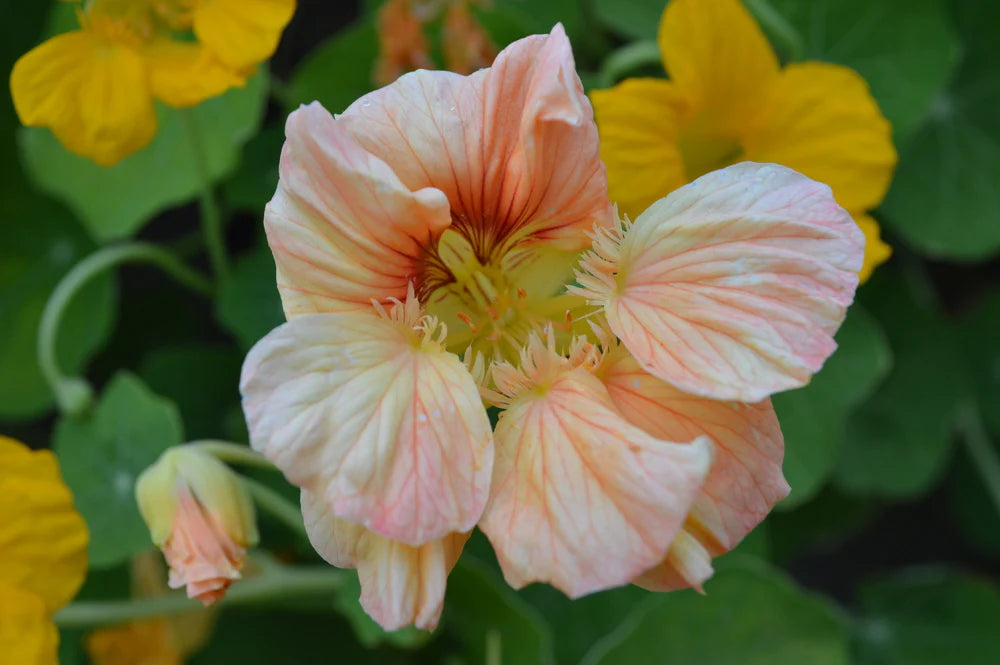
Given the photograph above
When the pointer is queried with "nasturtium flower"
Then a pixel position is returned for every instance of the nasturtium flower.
(43, 553)
(201, 516)
(447, 244)
(728, 100)
(94, 87)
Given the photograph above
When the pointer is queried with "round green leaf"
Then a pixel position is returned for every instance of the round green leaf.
(747, 616)
(980, 336)
(248, 305)
(813, 418)
(101, 457)
(929, 617)
(635, 19)
(115, 202)
(338, 71)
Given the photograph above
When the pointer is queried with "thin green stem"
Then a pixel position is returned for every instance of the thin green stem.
(779, 29)
(232, 453)
(274, 583)
(627, 59)
(981, 450)
(74, 394)
(211, 215)
(276, 505)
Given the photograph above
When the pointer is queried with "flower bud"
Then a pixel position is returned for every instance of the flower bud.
(202, 518)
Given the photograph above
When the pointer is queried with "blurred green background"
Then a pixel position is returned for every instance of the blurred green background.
(886, 551)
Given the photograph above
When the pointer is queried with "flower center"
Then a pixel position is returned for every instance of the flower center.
(136, 22)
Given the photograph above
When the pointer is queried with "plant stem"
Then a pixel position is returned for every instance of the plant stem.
(74, 394)
(981, 450)
(211, 216)
(275, 582)
(276, 505)
(232, 453)
(627, 59)
(778, 28)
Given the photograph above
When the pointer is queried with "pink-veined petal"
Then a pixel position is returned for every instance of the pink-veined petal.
(733, 286)
(342, 227)
(381, 422)
(744, 483)
(514, 147)
(581, 498)
(400, 585)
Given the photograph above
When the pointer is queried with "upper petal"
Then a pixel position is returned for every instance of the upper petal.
(639, 121)
(387, 428)
(241, 33)
(43, 542)
(745, 481)
(343, 228)
(400, 585)
(733, 286)
(514, 147)
(581, 498)
(91, 92)
(717, 56)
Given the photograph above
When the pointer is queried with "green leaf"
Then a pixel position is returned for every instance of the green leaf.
(248, 305)
(338, 71)
(101, 457)
(115, 202)
(979, 332)
(824, 522)
(491, 622)
(41, 242)
(813, 419)
(369, 633)
(203, 381)
(928, 617)
(899, 441)
(635, 19)
(253, 184)
(905, 49)
(944, 198)
(749, 616)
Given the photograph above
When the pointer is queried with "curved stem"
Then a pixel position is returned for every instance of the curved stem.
(73, 394)
(275, 582)
(276, 505)
(981, 450)
(211, 216)
(627, 59)
(778, 28)
(232, 453)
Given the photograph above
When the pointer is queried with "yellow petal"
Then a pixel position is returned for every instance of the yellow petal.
(638, 121)
(876, 251)
(241, 33)
(92, 93)
(718, 57)
(27, 635)
(823, 122)
(184, 74)
(149, 642)
(43, 540)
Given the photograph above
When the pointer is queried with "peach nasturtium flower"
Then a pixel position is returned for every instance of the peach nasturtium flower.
(43, 553)
(94, 87)
(728, 100)
(447, 244)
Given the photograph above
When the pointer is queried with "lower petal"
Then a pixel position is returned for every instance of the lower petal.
(400, 585)
(92, 93)
(687, 565)
(876, 251)
(184, 74)
(27, 635)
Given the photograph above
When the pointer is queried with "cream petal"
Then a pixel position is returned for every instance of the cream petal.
(733, 286)
(385, 425)
(581, 498)
(514, 147)
(342, 227)
(400, 585)
(745, 481)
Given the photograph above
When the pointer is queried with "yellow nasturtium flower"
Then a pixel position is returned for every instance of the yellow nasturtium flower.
(94, 87)
(43, 553)
(729, 100)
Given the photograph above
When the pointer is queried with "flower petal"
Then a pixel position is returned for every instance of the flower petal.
(92, 93)
(733, 286)
(687, 565)
(400, 585)
(241, 33)
(876, 251)
(27, 635)
(184, 73)
(745, 481)
(581, 498)
(43, 542)
(639, 124)
(822, 121)
(342, 227)
(387, 428)
(719, 59)
(514, 147)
